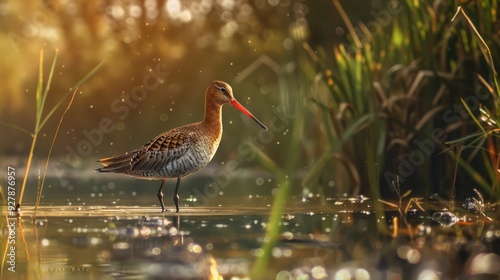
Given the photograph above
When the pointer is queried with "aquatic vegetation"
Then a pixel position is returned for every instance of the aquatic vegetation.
(388, 101)
(382, 123)
(478, 205)
(42, 91)
(283, 173)
(485, 142)
(417, 201)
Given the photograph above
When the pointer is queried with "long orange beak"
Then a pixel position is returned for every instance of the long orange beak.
(240, 107)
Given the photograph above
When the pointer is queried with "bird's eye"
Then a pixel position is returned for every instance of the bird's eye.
(222, 89)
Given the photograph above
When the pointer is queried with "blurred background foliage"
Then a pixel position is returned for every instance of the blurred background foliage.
(396, 105)
(189, 43)
(359, 84)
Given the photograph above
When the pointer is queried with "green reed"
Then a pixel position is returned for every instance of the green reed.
(486, 141)
(283, 173)
(384, 88)
(42, 92)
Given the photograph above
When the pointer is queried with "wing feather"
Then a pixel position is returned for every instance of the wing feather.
(161, 151)
(153, 156)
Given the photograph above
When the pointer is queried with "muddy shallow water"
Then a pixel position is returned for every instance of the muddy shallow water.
(334, 240)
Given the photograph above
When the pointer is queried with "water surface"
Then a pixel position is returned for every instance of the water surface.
(336, 239)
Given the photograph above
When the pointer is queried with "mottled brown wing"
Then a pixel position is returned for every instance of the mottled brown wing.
(160, 151)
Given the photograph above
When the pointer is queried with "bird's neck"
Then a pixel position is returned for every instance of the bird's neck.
(213, 117)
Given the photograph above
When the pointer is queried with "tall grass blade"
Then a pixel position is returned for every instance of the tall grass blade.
(41, 95)
(483, 46)
(348, 23)
(474, 174)
(259, 268)
(472, 116)
(46, 92)
(17, 127)
(465, 138)
(78, 84)
(39, 193)
(352, 129)
(39, 88)
(26, 172)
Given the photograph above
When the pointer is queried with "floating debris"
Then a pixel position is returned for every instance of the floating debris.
(445, 219)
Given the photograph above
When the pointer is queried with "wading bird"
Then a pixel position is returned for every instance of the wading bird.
(180, 151)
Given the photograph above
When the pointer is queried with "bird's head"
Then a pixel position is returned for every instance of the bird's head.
(222, 93)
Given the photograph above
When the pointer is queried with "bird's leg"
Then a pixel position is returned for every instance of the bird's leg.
(176, 194)
(160, 195)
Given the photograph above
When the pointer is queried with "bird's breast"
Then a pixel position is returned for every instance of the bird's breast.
(197, 156)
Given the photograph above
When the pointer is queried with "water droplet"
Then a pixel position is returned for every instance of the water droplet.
(45, 242)
(274, 191)
(288, 235)
(259, 181)
(120, 126)
(283, 275)
(172, 231)
(428, 274)
(259, 252)
(276, 252)
(318, 272)
(287, 252)
(156, 251)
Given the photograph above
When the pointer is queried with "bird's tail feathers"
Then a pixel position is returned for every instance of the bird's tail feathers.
(118, 164)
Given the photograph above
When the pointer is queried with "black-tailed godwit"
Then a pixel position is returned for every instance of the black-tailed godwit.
(180, 151)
